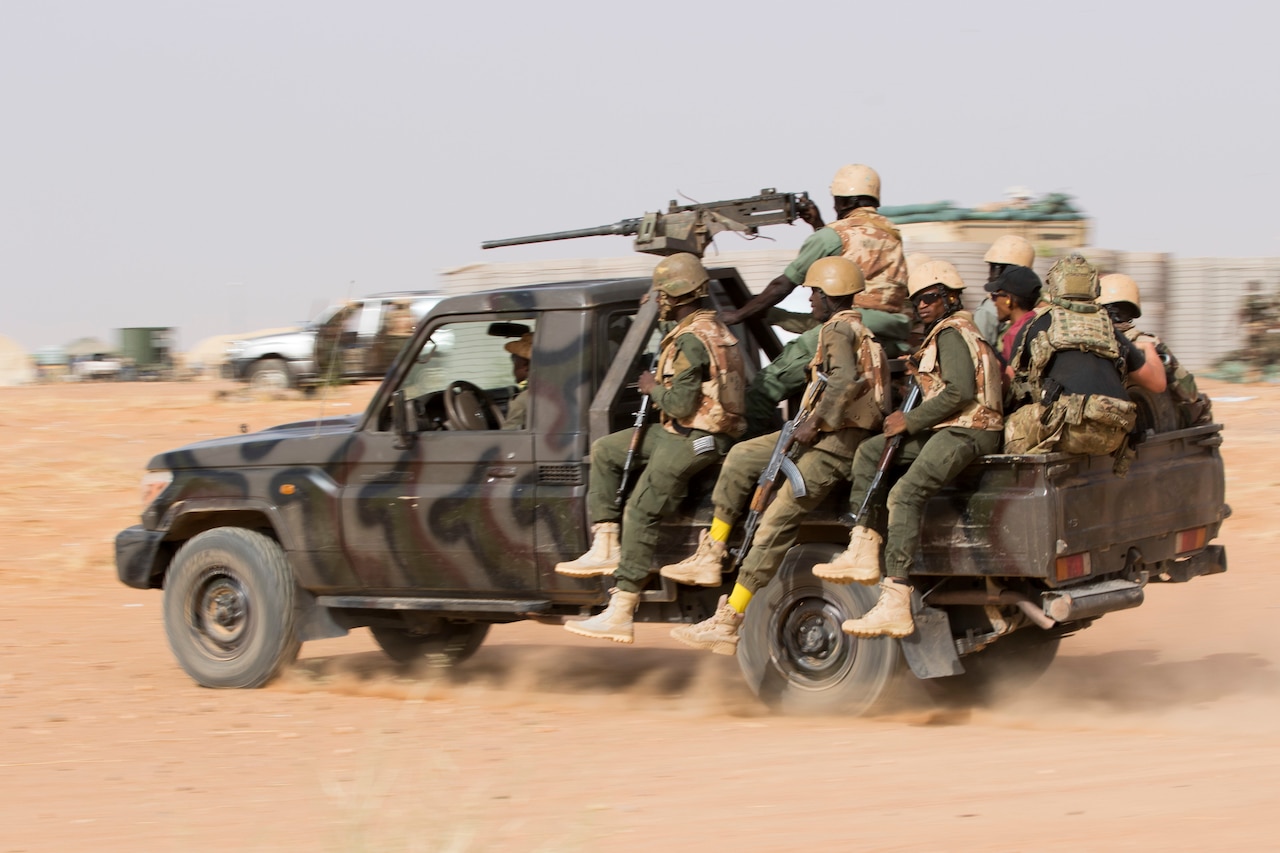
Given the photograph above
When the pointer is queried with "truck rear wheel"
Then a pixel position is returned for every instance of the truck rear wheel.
(446, 640)
(229, 608)
(793, 653)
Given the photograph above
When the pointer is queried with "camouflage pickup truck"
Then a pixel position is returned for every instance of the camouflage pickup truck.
(426, 521)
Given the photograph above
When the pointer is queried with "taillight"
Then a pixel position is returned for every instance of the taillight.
(1191, 540)
(1074, 566)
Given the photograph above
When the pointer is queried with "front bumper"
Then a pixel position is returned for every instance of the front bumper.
(137, 556)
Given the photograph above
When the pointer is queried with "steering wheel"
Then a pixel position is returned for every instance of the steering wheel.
(469, 408)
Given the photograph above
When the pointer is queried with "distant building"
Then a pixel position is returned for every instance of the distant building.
(1051, 223)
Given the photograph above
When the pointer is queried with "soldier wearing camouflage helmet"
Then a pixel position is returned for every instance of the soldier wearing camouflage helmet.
(863, 236)
(1007, 251)
(851, 407)
(1069, 370)
(1119, 295)
(697, 389)
(958, 420)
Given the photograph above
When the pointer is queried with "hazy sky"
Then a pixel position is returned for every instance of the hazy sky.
(226, 166)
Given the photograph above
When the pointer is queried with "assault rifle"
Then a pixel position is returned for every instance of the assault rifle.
(780, 463)
(637, 435)
(686, 227)
(887, 456)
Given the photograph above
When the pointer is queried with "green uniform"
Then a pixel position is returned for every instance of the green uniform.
(669, 461)
(934, 456)
(823, 465)
(518, 408)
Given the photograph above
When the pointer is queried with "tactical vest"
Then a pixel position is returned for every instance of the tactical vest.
(1069, 329)
(868, 397)
(985, 411)
(873, 243)
(723, 406)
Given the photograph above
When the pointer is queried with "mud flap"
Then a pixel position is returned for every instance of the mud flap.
(929, 650)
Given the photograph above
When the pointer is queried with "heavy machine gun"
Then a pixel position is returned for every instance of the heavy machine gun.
(686, 227)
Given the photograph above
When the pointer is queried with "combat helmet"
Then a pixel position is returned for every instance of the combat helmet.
(1072, 278)
(856, 179)
(1118, 287)
(681, 277)
(933, 272)
(1011, 249)
(915, 259)
(837, 276)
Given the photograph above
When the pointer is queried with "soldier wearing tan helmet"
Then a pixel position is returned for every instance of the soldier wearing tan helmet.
(959, 419)
(1007, 251)
(846, 411)
(863, 236)
(1068, 392)
(1120, 296)
(697, 388)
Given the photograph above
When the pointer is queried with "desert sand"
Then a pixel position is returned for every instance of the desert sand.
(1155, 729)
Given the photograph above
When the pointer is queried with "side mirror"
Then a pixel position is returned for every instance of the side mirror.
(403, 420)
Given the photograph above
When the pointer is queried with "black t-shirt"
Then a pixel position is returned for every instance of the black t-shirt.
(1080, 372)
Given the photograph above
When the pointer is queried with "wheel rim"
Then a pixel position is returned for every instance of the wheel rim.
(220, 613)
(806, 643)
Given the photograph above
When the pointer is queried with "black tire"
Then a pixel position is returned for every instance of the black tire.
(270, 375)
(447, 641)
(793, 653)
(1016, 660)
(1156, 412)
(229, 608)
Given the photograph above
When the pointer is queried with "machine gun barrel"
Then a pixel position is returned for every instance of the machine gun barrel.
(625, 228)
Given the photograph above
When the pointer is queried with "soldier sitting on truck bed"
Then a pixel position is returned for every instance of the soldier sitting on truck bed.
(1069, 368)
(848, 410)
(699, 393)
(863, 236)
(958, 420)
(1119, 295)
(1007, 251)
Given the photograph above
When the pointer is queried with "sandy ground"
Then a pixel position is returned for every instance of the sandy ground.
(1154, 729)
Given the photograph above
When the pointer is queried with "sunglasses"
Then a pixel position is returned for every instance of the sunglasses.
(927, 298)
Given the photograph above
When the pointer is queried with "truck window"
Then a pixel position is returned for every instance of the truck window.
(468, 353)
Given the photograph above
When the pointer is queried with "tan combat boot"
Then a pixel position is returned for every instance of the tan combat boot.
(860, 563)
(718, 634)
(704, 567)
(603, 556)
(613, 623)
(891, 616)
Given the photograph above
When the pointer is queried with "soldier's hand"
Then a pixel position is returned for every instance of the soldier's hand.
(646, 382)
(730, 317)
(808, 211)
(895, 424)
(806, 433)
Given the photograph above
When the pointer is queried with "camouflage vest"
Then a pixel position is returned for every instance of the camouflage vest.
(873, 243)
(985, 411)
(723, 406)
(867, 396)
(1083, 330)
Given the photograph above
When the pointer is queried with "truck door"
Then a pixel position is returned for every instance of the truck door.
(451, 508)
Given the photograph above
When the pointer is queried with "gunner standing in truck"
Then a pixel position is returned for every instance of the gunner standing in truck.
(698, 390)
(863, 236)
(958, 420)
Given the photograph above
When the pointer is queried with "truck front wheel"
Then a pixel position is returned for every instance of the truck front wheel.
(229, 608)
(793, 653)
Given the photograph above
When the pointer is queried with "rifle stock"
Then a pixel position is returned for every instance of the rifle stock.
(779, 463)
